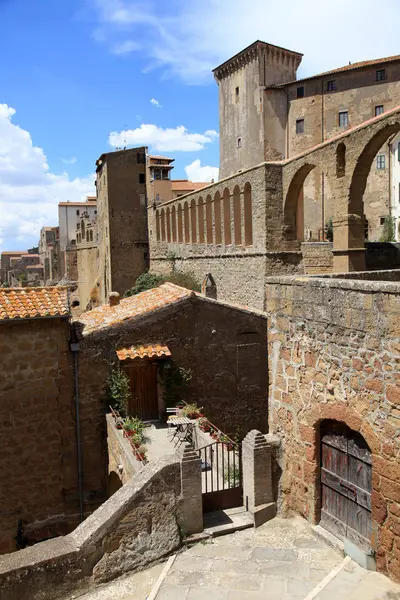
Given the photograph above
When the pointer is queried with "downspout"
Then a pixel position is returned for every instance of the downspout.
(287, 124)
(75, 350)
(390, 172)
(322, 174)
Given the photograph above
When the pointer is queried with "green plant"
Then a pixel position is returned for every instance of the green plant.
(329, 230)
(118, 390)
(191, 410)
(175, 381)
(145, 281)
(149, 281)
(388, 231)
(185, 280)
(232, 476)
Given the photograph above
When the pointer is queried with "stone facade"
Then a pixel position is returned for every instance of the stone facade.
(122, 219)
(334, 353)
(317, 257)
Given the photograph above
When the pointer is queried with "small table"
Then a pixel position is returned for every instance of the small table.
(183, 425)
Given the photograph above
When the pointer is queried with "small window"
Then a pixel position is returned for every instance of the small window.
(95, 212)
(378, 110)
(382, 220)
(331, 86)
(380, 161)
(77, 212)
(239, 142)
(343, 118)
(381, 74)
(300, 126)
(300, 92)
(237, 93)
(141, 158)
(142, 178)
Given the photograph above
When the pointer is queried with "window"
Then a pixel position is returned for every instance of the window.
(382, 220)
(95, 212)
(141, 158)
(142, 199)
(343, 118)
(239, 142)
(237, 93)
(378, 110)
(300, 92)
(381, 74)
(141, 178)
(77, 212)
(331, 86)
(300, 126)
(380, 161)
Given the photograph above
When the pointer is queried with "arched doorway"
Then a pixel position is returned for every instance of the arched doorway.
(294, 204)
(346, 483)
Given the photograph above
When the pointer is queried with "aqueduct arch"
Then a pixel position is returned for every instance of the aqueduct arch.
(293, 206)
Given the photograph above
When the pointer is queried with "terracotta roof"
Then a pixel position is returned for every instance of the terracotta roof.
(160, 157)
(33, 267)
(156, 350)
(185, 185)
(133, 307)
(15, 252)
(31, 303)
(76, 203)
(349, 67)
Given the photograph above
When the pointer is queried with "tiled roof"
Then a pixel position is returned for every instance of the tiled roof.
(132, 307)
(31, 303)
(160, 157)
(90, 203)
(15, 252)
(181, 185)
(349, 67)
(156, 350)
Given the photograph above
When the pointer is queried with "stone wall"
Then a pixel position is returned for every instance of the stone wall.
(121, 460)
(138, 526)
(334, 353)
(88, 275)
(71, 260)
(317, 257)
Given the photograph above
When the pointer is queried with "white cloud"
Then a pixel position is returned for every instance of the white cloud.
(155, 102)
(29, 191)
(162, 140)
(196, 172)
(188, 39)
(125, 47)
(69, 161)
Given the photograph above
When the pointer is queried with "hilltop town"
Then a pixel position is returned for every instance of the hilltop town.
(256, 371)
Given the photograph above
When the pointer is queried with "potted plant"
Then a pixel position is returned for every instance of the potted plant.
(128, 427)
(141, 453)
(204, 424)
(214, 434)
(137, 440)
(192, 411)
(226, 441)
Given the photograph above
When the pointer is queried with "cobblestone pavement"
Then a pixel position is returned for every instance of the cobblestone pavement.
(282, 560)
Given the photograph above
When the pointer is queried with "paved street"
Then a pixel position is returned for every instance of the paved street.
(282, 560)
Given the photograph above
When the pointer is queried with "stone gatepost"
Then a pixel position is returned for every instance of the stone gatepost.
(257, 477)
(191, 507)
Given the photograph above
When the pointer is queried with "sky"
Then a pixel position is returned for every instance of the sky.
(81, 77)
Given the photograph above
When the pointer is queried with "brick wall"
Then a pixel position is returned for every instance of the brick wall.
(334, 353)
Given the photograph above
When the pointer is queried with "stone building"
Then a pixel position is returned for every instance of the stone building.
(394, 195)
(8, 261)
(122, 219)
(39, 483)
(266, 114)
(334, 395)
(49, 251)
(160, 186)
(228, 364)
(68, 215)
(87, 251)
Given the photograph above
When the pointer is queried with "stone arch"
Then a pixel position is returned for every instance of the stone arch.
(193, 220)
(168, 225)
(162, 216)
(341, 160)
(173, 215)
(200, 212)
(114, 483)
(91, 235)
(180, 224)
(363, 167)
(227, 217)
(157, 226)
(293, 209)
(186, 227)
(237, 216)
(217, 218)
(248, 215)
(87, 235)
(209, 225)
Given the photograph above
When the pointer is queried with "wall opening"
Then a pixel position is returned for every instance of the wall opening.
(163, 225)
(217, 217)
(248, 215)
(237, 216)
(209, 225)
(168, 225)
(193, 220)
(180, 224)
(200, 211)
(173, 224)
(186, 228)
(293, 211)
(227, 218)
(341, 160)
(157, 226)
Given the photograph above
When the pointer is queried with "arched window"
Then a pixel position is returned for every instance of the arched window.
(157, 226)
(180, 224)
(200, 211)
(193, 221)
(186, 223)
(341, 160)
(227, 218)
(237, 216)
(163, 225)
(248, 216)
(209, 227)
(91, 235)
(87, 235)
(217, 217)
(168, 225)
(173, 224)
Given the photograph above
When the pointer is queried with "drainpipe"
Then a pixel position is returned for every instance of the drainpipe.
(323, 174)
(75, 350)
(390, 172)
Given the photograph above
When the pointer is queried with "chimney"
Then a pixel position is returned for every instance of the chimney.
(114, 299)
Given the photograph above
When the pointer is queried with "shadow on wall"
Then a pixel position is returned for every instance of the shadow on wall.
(382, 255)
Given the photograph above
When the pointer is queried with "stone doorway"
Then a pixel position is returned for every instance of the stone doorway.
(346, 484)
(143, 402)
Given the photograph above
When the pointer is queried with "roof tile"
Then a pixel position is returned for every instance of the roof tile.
(155, 350)
(31, 303)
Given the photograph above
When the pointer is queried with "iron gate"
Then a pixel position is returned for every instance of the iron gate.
(221, 476)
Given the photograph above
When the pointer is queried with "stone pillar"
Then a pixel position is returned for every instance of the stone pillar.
(257, 477)
(348, 244)
(191, 508)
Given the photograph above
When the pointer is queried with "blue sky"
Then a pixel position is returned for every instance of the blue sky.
(74, 71)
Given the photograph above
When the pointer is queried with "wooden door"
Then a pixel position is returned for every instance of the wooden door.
(143, 402)
(346, 484)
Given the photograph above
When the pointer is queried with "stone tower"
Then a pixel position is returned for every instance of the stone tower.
(250, 131)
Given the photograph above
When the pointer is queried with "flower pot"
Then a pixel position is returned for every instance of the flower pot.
(228, 446)
(140, 457)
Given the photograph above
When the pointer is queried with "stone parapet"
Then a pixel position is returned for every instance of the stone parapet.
(191, 505)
